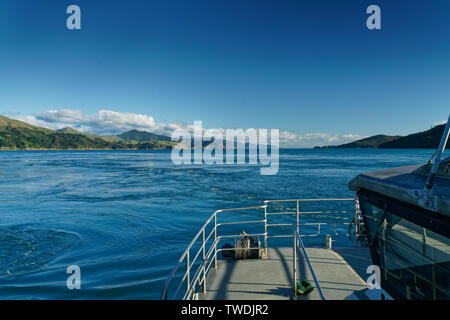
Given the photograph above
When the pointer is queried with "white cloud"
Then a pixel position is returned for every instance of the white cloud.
(308, 140)
(434, 124)
(31, 119)
(111, 122)
(102, 122)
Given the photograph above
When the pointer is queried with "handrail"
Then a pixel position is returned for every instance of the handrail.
(298, 212)
(208, 253)
(297, 241)
(185, 255)
(309, 200)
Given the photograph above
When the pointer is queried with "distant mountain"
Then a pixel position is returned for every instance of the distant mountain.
(141, 136)
(422, 140)
(429, 139)
(91, 135)
(18, 135)
(370, 142)
(69, 130)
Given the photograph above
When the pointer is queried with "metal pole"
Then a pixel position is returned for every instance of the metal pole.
(265, 230)
(298, 212)
(188, 278)
(203, 262)
(305, 256)
(215, 241)
(437, 158)
(294, 270)
(356, 222)
(328, 241)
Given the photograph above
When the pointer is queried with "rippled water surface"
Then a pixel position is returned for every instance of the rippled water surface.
(125, 217)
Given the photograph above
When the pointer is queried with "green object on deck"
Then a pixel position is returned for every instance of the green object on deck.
(304, 287)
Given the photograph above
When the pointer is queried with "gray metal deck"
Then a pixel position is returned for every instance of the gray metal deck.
(271, 277)
(340, 272)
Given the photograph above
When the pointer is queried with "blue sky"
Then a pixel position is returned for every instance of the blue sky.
(304, 67)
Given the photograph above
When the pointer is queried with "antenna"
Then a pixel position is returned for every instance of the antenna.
(437, 158)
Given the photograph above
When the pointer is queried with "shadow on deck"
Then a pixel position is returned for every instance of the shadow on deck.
(339, 271)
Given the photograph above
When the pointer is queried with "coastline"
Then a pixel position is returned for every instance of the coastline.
(79, 149)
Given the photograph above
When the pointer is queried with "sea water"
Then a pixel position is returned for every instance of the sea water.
(125, 217)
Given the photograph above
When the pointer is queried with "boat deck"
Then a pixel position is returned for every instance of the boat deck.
(340, 272)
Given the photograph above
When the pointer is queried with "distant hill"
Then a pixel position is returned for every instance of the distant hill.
(370, 142)
(91, 135)
(423, 140)
(142, 136)
(428, 139)
(18, 135)
(69, 130)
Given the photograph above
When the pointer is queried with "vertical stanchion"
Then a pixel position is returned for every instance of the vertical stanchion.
(203, 262)
(428, 201)
(215, 240)
(298, 213)
(356, 218)
(294, 266)
(188, 278)
(265, 230)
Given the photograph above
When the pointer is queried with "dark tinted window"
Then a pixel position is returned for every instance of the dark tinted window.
(414, 261)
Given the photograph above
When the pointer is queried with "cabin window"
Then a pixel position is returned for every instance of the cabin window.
(414, 260)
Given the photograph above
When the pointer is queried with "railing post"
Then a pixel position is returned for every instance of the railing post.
(328, 241)
(265, 230)
(298, 212)
(214, 265)
(356, 222)
(188, 271)
(203, 262)
(294, 267)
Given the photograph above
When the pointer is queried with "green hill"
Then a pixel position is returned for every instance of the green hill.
(91, 135)
(69, 130)
(11, 123)
(18, 135)
(429, 139)
(370, 142)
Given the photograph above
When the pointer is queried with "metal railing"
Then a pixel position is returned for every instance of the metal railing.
(209, 256)
(355, 212)
(194, 277)
(298, 244)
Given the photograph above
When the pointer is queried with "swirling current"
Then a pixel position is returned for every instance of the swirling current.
(124, 217)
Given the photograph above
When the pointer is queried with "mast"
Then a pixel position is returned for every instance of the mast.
(426, 198)
(437, 158)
